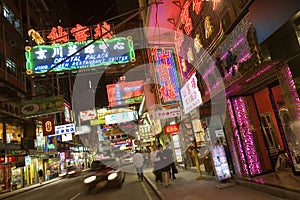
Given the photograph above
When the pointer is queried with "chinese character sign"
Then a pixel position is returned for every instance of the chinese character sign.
(75, 55)
(190, 94)
(165, 69)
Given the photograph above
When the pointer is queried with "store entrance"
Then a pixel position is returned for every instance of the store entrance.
(268, 102)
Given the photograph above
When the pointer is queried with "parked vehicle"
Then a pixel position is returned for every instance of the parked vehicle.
(103, 173)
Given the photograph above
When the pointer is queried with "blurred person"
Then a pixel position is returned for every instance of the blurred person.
(165, 164)
(155, 163)
(173, 169)
(147, 158)
(48, 174)
(41, 175)
(138, 163)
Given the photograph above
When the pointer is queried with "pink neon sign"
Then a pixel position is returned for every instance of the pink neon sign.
(166, 75)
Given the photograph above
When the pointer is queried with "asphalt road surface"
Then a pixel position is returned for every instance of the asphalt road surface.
(73, 189)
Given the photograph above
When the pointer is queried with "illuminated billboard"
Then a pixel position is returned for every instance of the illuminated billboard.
(165, 70)
(125, 93)
(76, 55)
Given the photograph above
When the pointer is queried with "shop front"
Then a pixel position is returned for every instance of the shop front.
(261, 113)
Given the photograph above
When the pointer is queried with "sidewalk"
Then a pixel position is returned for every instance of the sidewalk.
(187, 187)
(30, 187)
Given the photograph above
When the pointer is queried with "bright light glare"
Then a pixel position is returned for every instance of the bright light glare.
(90, 179)
(112, 176)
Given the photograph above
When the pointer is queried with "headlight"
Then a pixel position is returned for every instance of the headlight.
(71, 172)
(62, 174)
(89, 179)
(112, 176)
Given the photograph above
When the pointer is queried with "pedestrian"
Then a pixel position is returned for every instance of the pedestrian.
(167, 157)
(147, 158)
(164, 165)
(41, 175)
(173, 169)
(138, 162)
(155, 163)
(48, 173)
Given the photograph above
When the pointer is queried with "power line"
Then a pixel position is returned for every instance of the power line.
(137, 11)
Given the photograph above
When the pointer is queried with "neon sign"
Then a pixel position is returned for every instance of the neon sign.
(81, 33)
(186, 19)
(166, 75)
(197, 6)
(174, 128)
(41, 59)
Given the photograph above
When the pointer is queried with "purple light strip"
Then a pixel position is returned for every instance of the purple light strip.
(247, 136)
(259, 73)
(292, 89)
(233, 47)
(238, 140)
(235, 160)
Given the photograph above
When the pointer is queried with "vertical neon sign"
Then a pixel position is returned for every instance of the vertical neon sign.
(166, 76)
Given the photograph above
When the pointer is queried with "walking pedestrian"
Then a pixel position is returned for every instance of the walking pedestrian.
(155, 163)
(41, 175)
(173, 169)
(138, 162)
(164, 165)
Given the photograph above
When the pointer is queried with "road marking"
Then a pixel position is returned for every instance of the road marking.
(75, 196)
(146, 191)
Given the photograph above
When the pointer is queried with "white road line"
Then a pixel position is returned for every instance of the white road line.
(75, 196)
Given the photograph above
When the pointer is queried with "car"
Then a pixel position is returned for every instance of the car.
(70, 171)
(127, 159)
(103, 173)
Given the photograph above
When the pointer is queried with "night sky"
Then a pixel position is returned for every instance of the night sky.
(269, 15)
(90, 12)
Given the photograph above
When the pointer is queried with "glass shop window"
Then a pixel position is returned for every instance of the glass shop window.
(14, 133)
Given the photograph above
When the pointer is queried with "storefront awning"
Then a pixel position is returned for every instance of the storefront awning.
(254, 80)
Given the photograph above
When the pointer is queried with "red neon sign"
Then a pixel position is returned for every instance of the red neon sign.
(103, 30)
(174, 128)
(197, 6)
(80, 33)
(57, 35)
(186, 19)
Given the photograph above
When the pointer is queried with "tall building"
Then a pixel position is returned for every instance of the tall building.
(17, 134)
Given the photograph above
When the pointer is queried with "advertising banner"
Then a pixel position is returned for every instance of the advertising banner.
(190, 95)
(164, 114)
(54, 58)
(121, 117)
(125, 93)
(88, 115)
(166, 79)
(44, 106)
(48, 126)
(220, 162)
(174, 128)
(64, 129)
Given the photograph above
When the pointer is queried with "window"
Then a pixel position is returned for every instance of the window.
(9, 15)
(11, 66)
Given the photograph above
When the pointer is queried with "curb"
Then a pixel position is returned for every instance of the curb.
(270, 189)
(154, 187)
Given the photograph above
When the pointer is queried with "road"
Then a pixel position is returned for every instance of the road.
(73, 189)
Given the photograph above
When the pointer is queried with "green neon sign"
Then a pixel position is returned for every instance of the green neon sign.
(55, 58)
